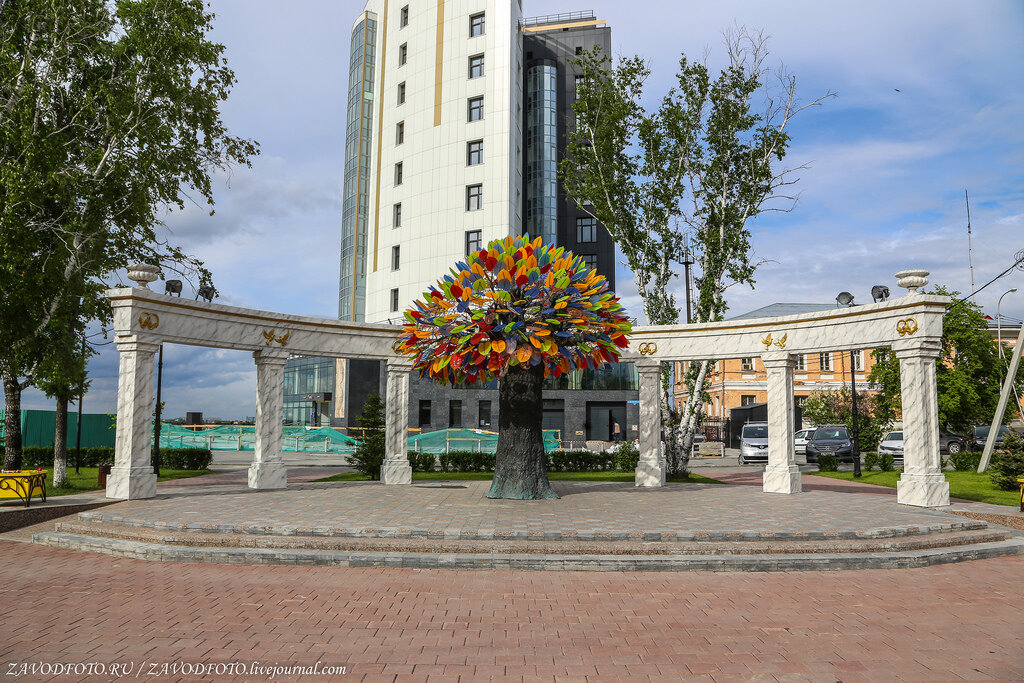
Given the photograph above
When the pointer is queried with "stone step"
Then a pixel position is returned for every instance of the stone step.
(598, 535)
(570, 547)
(522, 561)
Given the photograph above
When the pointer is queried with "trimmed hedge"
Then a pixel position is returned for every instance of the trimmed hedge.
(471, 461)
(580, 461)
(422, 462)
(171, 458)
(828, 462)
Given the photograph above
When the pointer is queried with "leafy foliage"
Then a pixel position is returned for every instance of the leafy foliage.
(627, 456)
(969, 372)
(698, 168)
(828, 462)
(1008, 465)
(835, 407)
(516, 303)
(965, 461)
(369, 454)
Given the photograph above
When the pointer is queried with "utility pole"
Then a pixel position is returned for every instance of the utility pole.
(856, 429)
(687, 262)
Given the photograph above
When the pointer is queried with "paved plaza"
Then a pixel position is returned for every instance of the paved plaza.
(940, 623)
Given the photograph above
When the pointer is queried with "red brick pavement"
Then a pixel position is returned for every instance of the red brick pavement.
(942, 623)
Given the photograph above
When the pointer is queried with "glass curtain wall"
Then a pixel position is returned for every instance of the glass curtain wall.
(542, 151)
(355, 202)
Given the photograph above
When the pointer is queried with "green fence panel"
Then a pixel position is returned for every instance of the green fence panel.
(38, 427)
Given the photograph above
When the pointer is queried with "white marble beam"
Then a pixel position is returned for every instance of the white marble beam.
(132, 475)
(268, 470)
(396, 468)
(922, 482)
(782, 474)
(650, 470)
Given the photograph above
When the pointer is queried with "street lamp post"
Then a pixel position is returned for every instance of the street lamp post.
(855, 441)
(999, 321)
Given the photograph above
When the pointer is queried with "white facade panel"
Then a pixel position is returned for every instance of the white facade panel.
(433, 154)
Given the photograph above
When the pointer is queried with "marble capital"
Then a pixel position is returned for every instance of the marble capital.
(925, 348)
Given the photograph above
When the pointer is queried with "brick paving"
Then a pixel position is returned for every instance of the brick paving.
(461, 508)
(943, 623)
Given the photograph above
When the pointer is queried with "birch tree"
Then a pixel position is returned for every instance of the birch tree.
(699, 167)
(109, 114)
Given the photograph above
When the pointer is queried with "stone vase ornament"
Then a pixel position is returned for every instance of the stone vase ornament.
(143, 274)
(912, 280)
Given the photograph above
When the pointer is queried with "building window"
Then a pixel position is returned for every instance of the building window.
(578, 81)
(474, 241)
(586, 229)
(747, 399)
(400, 132)
(454, 414)
(579, 50)
(396, 257)
(424, 414)
(398, 173)
(858, 361)
(476, 66)
(403, 19)
(401, 92)
(403, 54)
(474, 197)
(485, 415)
(801, 363)
(474, 152)
(476, 108)
(589, 260)
(394, 300)
(397, 219)
(825, 362)
(747, 364)
(476, 25)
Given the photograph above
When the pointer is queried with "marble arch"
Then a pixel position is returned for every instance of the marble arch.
(911, 325)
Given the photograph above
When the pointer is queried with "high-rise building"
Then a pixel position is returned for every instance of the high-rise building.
(457, 116)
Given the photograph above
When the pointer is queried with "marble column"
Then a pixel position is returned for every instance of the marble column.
(396, 468)
(782, 474)
(268, 470)
(922, 482)
(132, 474)
(650, 470)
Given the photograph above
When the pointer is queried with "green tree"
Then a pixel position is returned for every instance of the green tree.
(369, 454)
(835, 407)
(108, 116)
(517, 311)
(969, 372)
(699, 168)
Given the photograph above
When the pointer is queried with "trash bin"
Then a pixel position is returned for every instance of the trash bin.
(101, 476)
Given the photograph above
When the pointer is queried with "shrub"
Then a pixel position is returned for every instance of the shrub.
(870, 460)
(964, 461)
(627, 456)
(369, 454)
(827, 462)
(466, 461)
(422, 462)
(886, 462)
(580, 461)
(1007, 466)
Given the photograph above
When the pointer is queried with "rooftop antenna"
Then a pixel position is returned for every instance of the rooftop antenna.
(970, 251)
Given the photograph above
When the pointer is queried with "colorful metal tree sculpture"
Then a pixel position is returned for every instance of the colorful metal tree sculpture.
(517, 311)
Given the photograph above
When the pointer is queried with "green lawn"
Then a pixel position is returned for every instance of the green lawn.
(553, 476)
(85, 480)
(967, 485)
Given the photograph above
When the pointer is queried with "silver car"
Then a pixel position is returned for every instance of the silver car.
(892, 444)
(802, 437)
(754, 443)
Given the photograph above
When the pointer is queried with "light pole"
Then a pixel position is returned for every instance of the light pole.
(999, 321)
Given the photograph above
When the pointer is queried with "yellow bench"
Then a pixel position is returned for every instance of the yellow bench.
(1020, 480)
(22, 484)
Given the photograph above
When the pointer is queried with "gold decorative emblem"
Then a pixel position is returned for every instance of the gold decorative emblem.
(906, 327)
(271, 337)
(780, 342)
(149, 321)
(648, 349)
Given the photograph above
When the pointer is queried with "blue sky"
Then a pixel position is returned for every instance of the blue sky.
(930, 102)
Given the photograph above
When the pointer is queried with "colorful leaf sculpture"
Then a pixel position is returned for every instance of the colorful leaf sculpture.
(517, 302)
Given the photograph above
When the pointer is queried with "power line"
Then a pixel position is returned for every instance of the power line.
(1016, 263)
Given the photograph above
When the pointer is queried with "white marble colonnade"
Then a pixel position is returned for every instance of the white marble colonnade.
(922, 482)
(267, 470)
(132, 475)
(396, 468)
(650, 470)
(781, 475)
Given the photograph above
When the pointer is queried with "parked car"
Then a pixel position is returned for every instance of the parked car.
(981, 436)
(830, 439)
(892, 444)
(802, 437)
(754, 443)
(951, 443)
